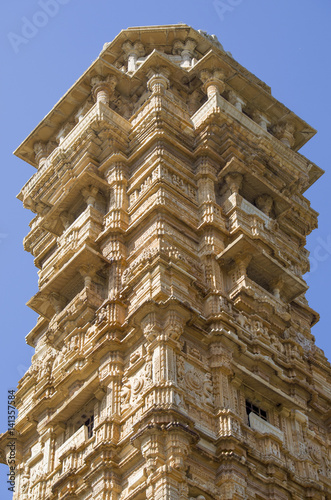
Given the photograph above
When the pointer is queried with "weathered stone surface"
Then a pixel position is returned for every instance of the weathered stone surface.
(173, 354)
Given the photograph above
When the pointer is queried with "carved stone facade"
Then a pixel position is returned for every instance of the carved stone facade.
(173, 352)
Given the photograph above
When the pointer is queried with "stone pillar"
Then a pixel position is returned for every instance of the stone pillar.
(57, 301)
(261, 120)
(42, 150)
(158, 81)
(103, 88)
(264, 202)
(89, 195)
(213, 82)
(285, 133)
(132, 52)
(237, 101)
(87, 272)
(185, 50)
(234, 182)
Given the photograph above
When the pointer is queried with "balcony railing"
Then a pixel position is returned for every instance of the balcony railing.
(260, 425)
(85, 229)
(243, 214)
(99, 111)
(257, 292)
(72, 443)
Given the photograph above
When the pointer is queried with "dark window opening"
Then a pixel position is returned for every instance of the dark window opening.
(251, 408)
(90, 425)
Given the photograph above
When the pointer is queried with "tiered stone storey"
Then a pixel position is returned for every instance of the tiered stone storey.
(173, 353)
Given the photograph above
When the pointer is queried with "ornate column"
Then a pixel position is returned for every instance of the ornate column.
(213, 82)
(103, 88)
(234, 182)
(132, 52)
(185, 50)
(89, 195)
(285, 133)
(261, 120)
(42, 150)
(158, 81)
(237, 101)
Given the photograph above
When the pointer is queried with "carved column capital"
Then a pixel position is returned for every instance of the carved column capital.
(264, 202)
(132, 52)
(150, 326)
(87, 272)
(103, 88)
(236, 100)
(66, 219)
(243, 260)
(173, 325)
(285, 133)
(89, 195)
(158, 81)
(260, 119)
(234, 181)
(57, 301)
(277, 286)
(42, 150)
(213, 82)
(185, 50)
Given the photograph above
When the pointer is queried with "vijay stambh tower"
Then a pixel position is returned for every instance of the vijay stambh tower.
(174, 358)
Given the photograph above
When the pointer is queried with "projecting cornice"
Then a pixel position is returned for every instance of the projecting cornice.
(122, 72)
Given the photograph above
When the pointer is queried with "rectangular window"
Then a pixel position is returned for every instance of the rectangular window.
(250, 407)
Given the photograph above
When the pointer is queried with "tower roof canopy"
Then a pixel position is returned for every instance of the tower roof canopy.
(159, 47)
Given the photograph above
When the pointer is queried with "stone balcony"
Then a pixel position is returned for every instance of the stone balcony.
(217, 104)
(264, 427)
(65, 283)
(264, 301)
(74, 442)
(98, 112)
(244, 216)
(246, 258)
(84, 230)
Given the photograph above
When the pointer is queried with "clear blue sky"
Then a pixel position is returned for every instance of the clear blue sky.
(285, 43)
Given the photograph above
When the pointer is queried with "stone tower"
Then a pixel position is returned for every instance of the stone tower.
(174, 358)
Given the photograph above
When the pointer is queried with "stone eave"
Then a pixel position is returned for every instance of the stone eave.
(103, 65)
(37, 331)
(47, 129)
(255, 96)
(314, 173)
(80, 90)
